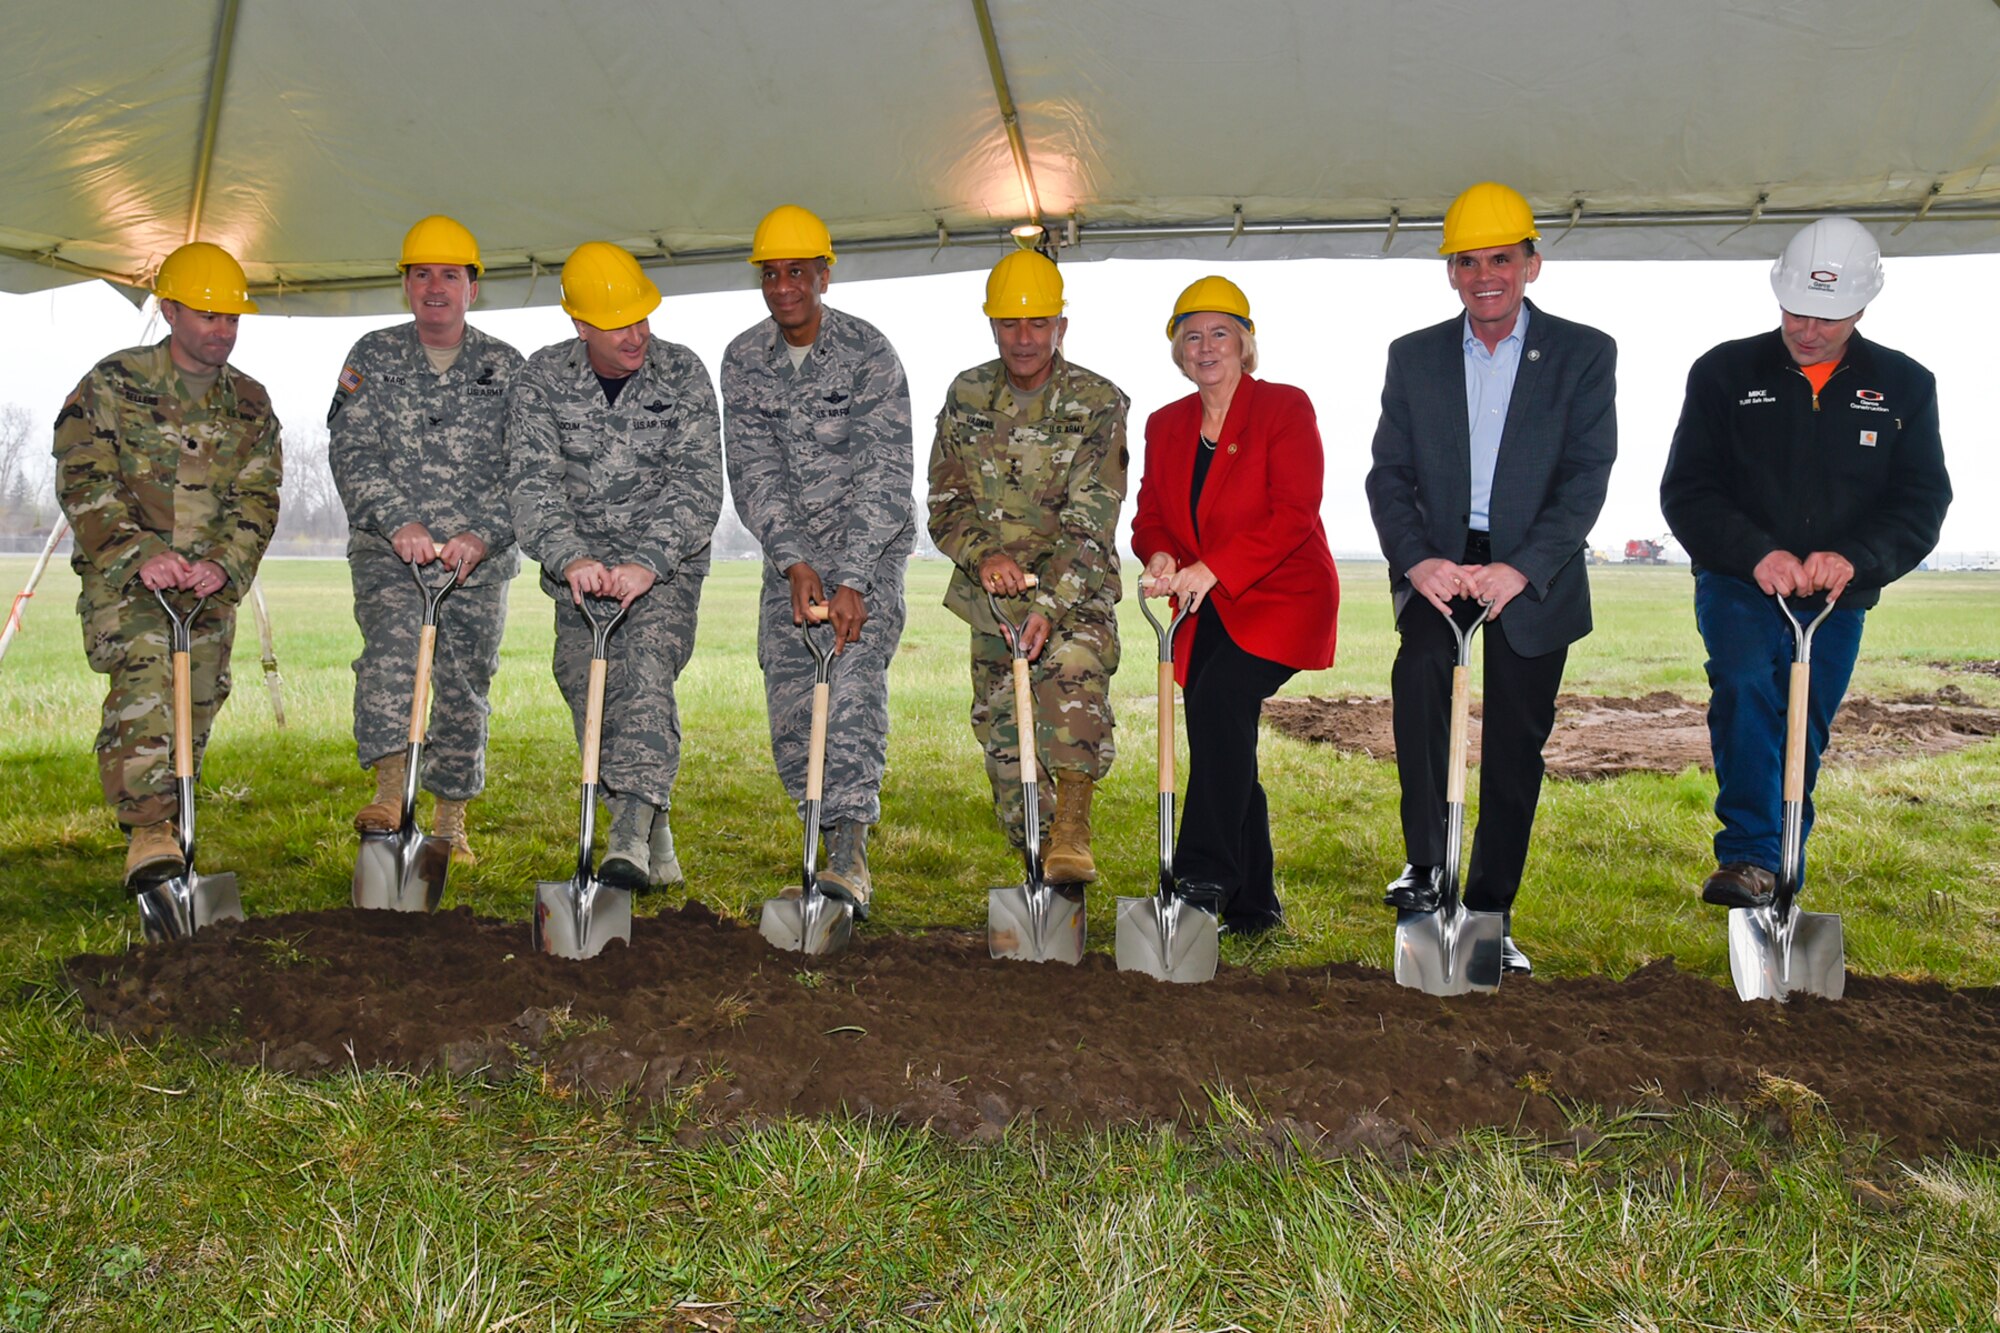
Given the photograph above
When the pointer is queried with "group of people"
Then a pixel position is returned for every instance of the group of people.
(1806, 465)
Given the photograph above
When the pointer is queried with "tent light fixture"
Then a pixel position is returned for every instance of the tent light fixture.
(1027, 235)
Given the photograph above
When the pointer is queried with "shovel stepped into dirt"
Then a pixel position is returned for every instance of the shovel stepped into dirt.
(577, 917)
(1777, 949)
(175, 908)
(404, 870)
(1452, 950)
(1033, 921)
(1162, 934)
(811, 922)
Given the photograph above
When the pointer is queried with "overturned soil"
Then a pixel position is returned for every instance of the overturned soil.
(927, 1030)
(1662, 732)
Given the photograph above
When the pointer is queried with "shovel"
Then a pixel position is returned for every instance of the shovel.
(577, 917)
(1453, 950)
(812, 922)
(1779, 949)
(1164, 935)
(173, 909)
(1032, 921)
(404, 870)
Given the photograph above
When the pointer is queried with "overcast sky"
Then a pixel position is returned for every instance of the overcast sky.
(1324, 325)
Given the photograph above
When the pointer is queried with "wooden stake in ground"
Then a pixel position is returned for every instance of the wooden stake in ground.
(271, 676)
(13, 626)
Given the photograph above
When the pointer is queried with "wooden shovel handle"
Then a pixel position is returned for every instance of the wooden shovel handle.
(819, 613)
(593, 719)
(1795, 732)
(183, 716)
(420, 698)
(1024, 718)
(816, 751)
(1167, 728)
(1461, 728)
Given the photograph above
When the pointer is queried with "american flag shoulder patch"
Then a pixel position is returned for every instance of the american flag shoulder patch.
(350, 378)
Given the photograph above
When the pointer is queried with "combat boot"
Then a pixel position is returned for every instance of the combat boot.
(384, 814)
(1068, 859)
(627, 858)
(846, 873)
(450, 823)
(154, 855)
(665, 868)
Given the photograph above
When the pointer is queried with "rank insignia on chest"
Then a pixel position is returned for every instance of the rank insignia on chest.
(350, 378)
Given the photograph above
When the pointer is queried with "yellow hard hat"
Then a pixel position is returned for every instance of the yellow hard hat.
(790, 232)
(440, 240)
(1212, 293)
(1487, 215)
(207, 278)
(603, 285)
(1024, 285)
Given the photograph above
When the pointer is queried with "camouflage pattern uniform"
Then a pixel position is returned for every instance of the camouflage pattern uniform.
(1041, 482)
(820, 463)
(141, 469)
(409, 445)
(636, 482)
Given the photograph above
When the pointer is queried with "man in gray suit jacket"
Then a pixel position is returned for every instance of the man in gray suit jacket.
(1490, 464)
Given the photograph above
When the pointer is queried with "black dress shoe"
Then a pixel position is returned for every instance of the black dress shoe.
(1417, 889)
(1253, 923)
(1210, 898)
(1739, 884)
(1512, 959)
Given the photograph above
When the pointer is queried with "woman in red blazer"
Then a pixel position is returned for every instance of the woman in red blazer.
(1228, 525)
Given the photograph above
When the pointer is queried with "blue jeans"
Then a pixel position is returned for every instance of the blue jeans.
(1749, 666)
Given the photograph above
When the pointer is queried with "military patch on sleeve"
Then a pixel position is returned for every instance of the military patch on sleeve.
(350, 378)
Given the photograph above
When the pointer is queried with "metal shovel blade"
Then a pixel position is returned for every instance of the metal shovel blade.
(401, 872)
(1167, 938)
(176, 908)
(1449, 951)
(576, 918)
(1767, 965)
(1042, 924)
(811, 923)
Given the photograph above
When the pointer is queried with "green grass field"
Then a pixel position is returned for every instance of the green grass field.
(149, 1188)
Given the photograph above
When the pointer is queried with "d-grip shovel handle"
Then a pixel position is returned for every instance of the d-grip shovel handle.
(593, 707)
(420, 697)
(1165, 634)
(181, 643)
(818, 614)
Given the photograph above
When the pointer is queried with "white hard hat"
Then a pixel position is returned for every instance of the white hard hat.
(1830, 270)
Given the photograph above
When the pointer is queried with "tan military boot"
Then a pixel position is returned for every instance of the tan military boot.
(665, 870)
(1068, 859)
(384, 814)
(154, 855)
(846, 873)
(450, 823)
(629, 856)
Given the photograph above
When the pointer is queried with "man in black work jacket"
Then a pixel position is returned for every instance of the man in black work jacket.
(1806, 466)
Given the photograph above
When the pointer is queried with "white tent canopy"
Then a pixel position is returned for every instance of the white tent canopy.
(306, 137)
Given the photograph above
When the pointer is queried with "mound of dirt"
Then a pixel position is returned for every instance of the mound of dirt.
(1661, 732)
(926, 1030)
(1972, 666)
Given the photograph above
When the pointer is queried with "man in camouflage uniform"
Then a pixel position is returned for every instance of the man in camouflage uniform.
(418, 447)
(167, 467)
(1026, 476)
(820, 460)
(615, 448)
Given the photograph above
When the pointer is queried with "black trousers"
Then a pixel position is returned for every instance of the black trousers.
(1225, 836)
(1518, 711)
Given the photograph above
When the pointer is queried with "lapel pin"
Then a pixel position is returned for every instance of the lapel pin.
(1534, 354)
(1232, 448)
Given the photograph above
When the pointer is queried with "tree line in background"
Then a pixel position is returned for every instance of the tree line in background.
(311, 520)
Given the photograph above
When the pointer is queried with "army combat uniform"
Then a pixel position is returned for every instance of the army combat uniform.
(412, 445)
(820, 462)
(143, 468)
(638, 481)
(1040, 480)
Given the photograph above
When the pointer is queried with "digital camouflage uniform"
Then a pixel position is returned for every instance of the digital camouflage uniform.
(409, 445)
(141, 469)
(638, 482)
(820, 462)
(1041, 483)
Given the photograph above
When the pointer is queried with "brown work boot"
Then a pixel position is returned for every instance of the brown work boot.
(1068, 859)
(450, 823)
(1739, 884)
(153, 855)
(384, 814)
(846, 873)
